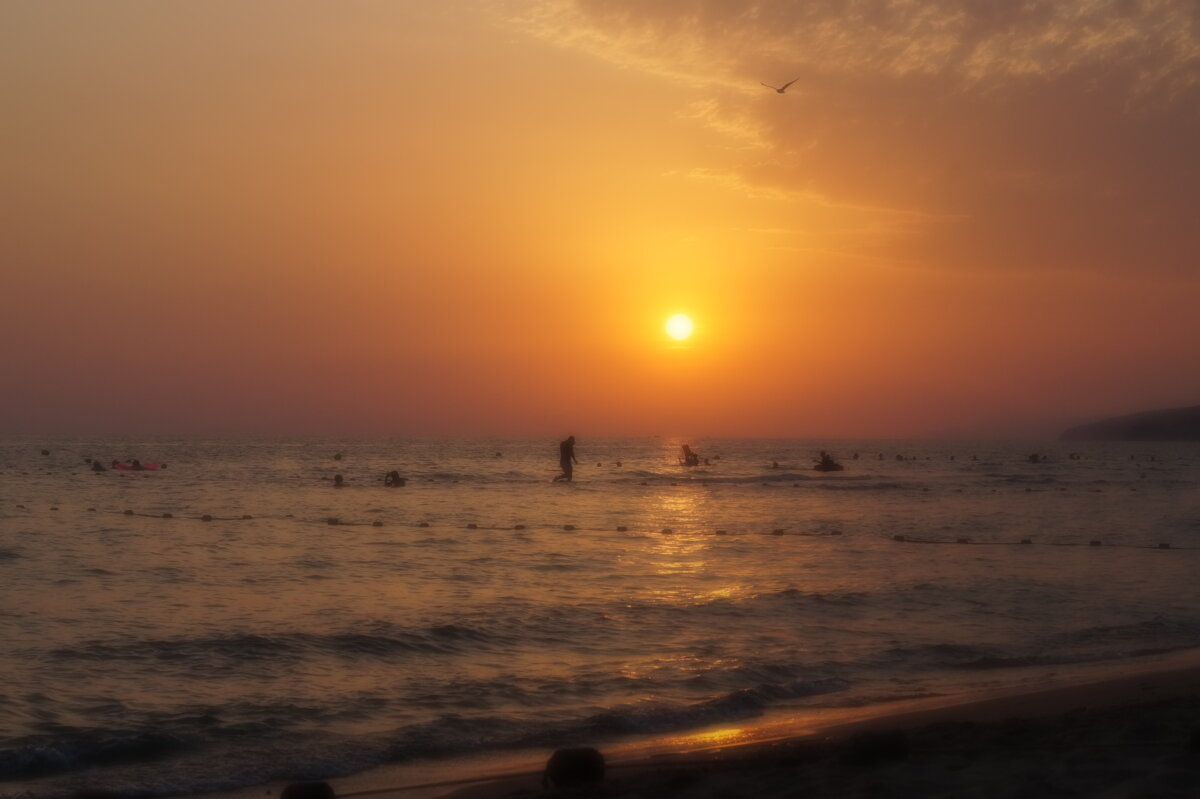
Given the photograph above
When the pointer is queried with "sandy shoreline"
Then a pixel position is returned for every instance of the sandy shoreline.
(1130, 731)
(1136, 735)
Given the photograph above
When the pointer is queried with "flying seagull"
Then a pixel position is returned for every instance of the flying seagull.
(780, 89)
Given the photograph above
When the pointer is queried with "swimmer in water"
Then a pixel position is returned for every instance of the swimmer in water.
(566, 459)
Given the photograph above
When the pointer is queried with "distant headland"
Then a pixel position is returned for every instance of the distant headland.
(1174, 424)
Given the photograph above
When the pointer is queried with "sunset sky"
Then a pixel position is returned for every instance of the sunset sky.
(473, 217)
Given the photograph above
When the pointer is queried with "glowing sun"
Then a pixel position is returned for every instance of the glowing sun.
(679, 327)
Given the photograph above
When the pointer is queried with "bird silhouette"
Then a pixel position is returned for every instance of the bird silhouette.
(780, 89)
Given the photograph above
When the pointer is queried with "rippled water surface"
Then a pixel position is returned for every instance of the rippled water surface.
(169, 654)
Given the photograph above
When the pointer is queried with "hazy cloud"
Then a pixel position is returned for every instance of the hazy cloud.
(1045, 133)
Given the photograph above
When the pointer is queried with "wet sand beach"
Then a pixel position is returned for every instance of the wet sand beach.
(1133, 735)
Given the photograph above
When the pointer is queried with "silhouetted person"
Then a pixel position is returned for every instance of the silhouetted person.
(827, 463)
(394, 480)
(689, 458)
(566, 459)
(774, 464)
(97, 466)
(338, 482)
(136, 465)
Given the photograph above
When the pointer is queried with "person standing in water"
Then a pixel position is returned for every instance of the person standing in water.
(566, 459)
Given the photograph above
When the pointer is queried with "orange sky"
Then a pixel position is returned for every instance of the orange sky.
(474, 217)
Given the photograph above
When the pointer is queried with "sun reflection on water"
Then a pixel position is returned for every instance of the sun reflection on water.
(682, 550)
(706, 738)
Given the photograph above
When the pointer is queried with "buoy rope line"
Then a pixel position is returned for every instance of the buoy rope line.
(776, 532)
(1026, 542)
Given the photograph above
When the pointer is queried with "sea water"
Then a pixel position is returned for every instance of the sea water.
(482, 607)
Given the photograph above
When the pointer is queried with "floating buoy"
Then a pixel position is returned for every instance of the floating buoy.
(377, 523)
(1026, 540)
(963, 541)
(667, 531)
(166, 516)
(1093, 543)
(568, 527)
(472, 526)
(330, 520)
(897, 538)
(777, 531)
(206, 518)
(127, 511)
(54, 509)
(1164, 545)
(720, 532)
(622, 529)
(423, 524)
(247, 516)
(93, 510)
(518, 527)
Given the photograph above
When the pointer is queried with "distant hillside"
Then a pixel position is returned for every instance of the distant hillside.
(1176, 424)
